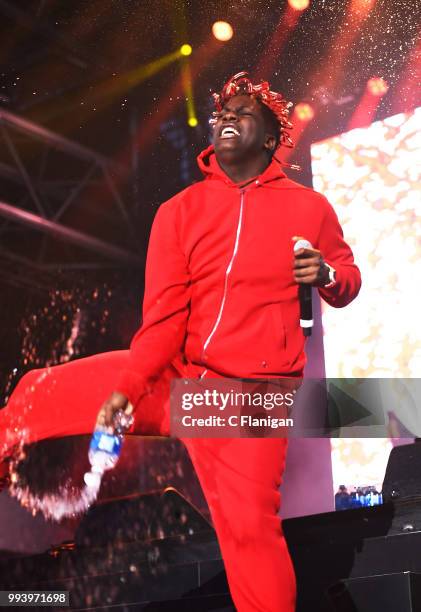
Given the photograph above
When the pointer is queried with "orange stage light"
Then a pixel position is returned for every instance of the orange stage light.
(304, 111)
(299, 5)
(365, 112)
(377, 86)
(303, 114)
(222, 31)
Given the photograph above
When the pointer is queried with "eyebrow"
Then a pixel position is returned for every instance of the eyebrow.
(240, 108)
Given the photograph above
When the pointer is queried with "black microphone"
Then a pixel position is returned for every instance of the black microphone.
(305, 295)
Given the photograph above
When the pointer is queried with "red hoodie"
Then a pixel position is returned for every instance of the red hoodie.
(219, 286)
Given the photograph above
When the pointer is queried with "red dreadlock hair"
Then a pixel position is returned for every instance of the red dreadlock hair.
(241, 84)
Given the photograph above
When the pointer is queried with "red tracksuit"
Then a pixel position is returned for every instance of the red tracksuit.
(220, 300)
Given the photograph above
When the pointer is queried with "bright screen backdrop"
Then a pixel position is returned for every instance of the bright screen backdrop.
(372, 177)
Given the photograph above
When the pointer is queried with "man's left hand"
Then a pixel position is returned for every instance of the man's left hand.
(309, 267)
(114, 403)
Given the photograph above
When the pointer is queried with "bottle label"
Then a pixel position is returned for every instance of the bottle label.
(105, 442)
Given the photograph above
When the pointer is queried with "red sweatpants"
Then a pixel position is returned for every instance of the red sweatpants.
(240, 477)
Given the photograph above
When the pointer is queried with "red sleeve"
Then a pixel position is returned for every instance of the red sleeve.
(337, 253)
(165, 307)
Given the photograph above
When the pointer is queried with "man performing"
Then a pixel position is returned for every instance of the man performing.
(221, 300)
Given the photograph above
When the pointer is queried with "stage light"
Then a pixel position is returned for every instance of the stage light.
(299, 5)
(222, 30)
(148, 129)
(365, 112)
(186, 50)
(192, 121)
(304, 111)
(377, 86)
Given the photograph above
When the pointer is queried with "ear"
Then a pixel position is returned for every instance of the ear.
(270, 143)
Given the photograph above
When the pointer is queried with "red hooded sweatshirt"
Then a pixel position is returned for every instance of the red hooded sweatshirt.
(219, 286)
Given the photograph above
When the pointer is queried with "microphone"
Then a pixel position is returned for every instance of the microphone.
(305, 295)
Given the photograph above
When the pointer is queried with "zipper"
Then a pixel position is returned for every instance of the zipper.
(227, 275)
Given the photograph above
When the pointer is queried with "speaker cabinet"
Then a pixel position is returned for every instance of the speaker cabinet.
(383, 593)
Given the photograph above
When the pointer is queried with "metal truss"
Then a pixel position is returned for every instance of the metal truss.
(55, 195)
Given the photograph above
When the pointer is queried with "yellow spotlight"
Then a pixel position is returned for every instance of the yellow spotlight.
(186, 50)
(222, 30)
(299, 5)
(192, 121)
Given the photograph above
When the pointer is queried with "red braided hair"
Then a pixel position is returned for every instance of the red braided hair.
(241, 84)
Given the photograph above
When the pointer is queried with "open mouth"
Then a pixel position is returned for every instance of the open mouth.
(229, 132)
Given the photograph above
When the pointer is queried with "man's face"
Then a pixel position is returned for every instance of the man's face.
(240, 132)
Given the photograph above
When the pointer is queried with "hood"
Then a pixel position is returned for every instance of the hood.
(212, 170)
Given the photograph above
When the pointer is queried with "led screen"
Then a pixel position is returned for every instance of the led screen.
(372, 178)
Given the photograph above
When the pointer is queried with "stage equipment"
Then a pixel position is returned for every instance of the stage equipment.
(104, 92)
(402, 478)
(46, 195)
(384, 593)
(186, 50)
(154, 515)
(157, 550)
(187, 82)
(359, 543)
(148, 552)
(304, 111)
(377, 86)
(365, 113)
(301, 117)
(222, 31)
(299, 5)
(147, 129)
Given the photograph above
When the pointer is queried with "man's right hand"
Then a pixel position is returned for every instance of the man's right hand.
(114, 403)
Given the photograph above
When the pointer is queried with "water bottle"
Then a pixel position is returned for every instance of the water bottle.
(105, 447)
(376, 499)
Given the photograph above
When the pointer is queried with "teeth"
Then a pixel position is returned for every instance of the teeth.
(229, 132)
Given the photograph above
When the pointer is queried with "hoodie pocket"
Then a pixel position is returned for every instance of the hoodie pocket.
(278, 329)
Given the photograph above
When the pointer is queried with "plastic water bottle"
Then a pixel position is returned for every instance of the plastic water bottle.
(105, 448)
